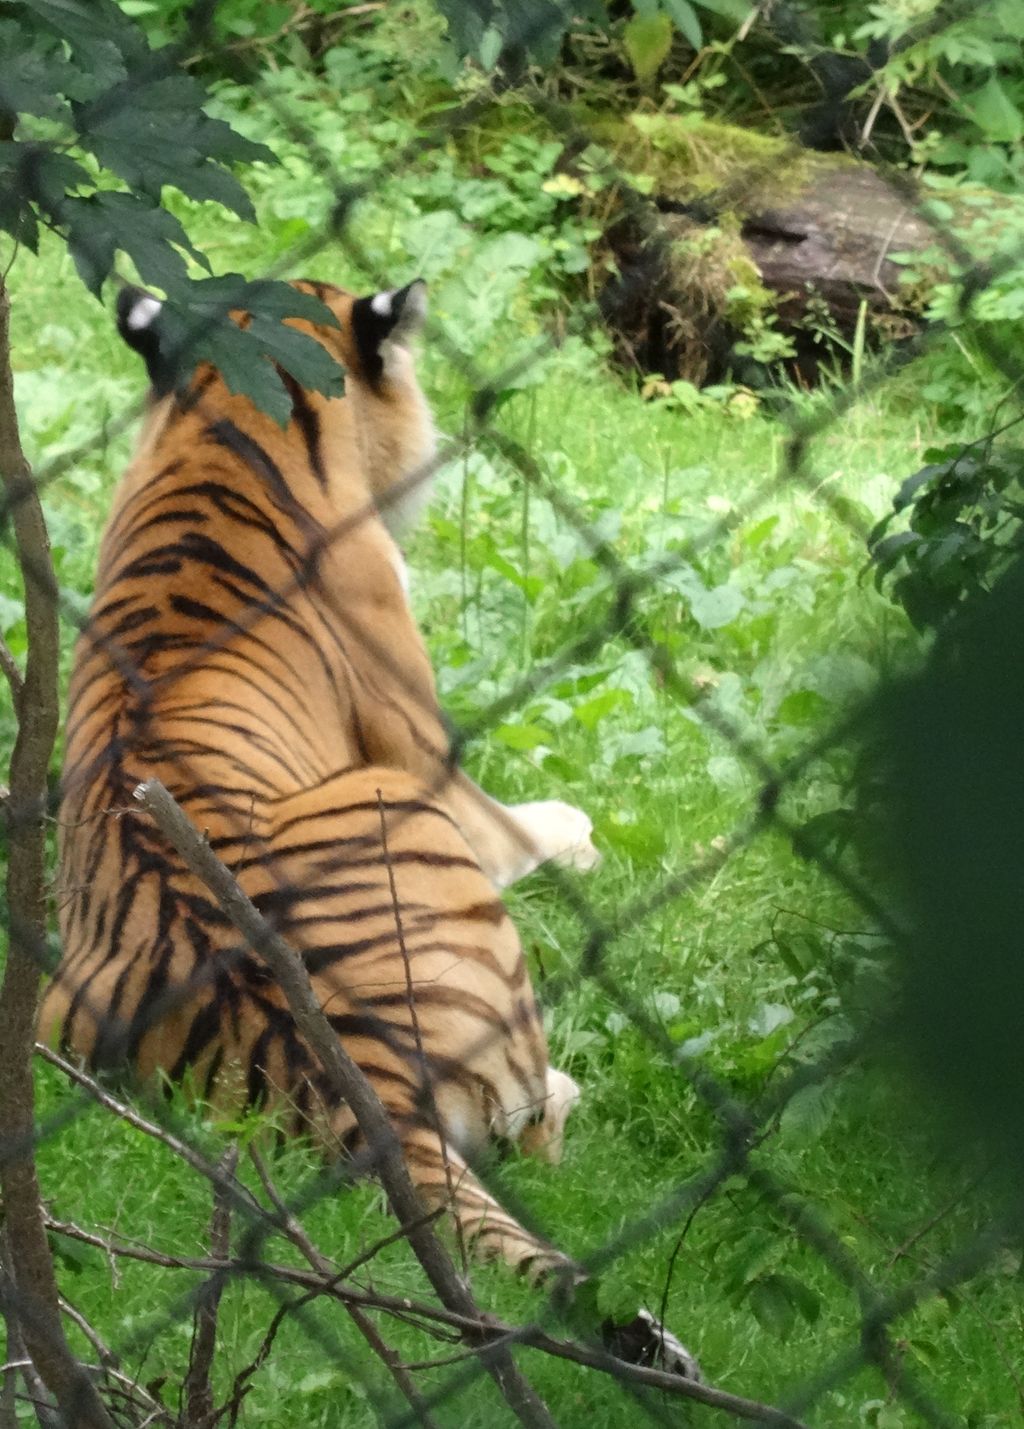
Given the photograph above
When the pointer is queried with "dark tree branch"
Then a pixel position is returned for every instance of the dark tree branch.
(30, 1291)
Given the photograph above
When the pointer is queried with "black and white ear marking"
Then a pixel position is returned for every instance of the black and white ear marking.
(138, 314)
(387, 319)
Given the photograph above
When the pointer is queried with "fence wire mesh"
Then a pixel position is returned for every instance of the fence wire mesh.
(247, 1224)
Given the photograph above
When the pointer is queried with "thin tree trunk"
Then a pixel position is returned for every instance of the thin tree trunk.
(28, 1286)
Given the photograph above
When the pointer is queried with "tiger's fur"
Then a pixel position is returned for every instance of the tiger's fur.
(250, 644)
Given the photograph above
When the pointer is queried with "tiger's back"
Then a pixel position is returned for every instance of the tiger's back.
(250, 645)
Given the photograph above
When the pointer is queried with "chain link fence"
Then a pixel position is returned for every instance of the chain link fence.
(246, 1228)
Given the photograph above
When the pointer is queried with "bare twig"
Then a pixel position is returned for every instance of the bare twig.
(103, 1350)
(364, 1256)
(421, 1057)
(470, 1329)
(300, 1237)
(244, 1198)
(940, 1215)
(198, 1388)
(349, 1083)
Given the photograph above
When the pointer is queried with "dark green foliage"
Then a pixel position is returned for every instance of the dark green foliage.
(509, 31)
(959, 521)
(84, 100)
(956, 828)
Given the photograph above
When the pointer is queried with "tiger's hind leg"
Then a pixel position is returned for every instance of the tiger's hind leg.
(444, 1178)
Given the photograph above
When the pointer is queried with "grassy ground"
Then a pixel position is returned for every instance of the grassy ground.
(770, 627)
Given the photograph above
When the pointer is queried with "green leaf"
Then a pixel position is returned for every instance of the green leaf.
(806, 1300)
(85, 21)
(726, 772)
(751, 1256)
(802, 707)
(714, 608)
(155, 134)
(195, 325)
(238, 360)
(16, 217)
(684, 17)
(772, 1306)
(995, 113)
(36, 174)
(34, 74)
(300, 354)
(591, 712)
(646, 743)
(1010, 18)
(648, 39)
(769, 1017)
(642, 840)
(521, 736)
(808, 1112)
(103, 223)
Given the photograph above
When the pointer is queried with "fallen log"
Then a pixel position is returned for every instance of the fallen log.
(746, 248)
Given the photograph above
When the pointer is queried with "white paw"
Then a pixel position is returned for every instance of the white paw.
(559, 833)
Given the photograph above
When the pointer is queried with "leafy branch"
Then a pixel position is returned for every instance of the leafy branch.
(95, 126)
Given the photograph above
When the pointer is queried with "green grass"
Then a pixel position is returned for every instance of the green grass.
(773, 623)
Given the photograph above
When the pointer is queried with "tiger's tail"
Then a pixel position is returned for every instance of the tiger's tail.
(444, 1178)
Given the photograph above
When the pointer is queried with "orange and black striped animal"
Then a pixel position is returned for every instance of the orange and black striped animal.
(250, 644)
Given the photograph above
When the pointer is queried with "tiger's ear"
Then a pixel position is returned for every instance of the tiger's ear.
(386, 320)
(137, 321)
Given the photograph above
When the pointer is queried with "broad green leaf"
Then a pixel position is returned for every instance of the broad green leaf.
(268, 296)
(714, 608)
(195, 325)
(300, 354)
(802, 707)
(754, 1253)
(995, 113)
(521, 736)
(648, 39)
(240, 362)
(808, 1112)
(684, 17)
(768, 1018)
(772, 1306)
(33, 174)
(85, 21)
(591, 712)
(726, 772)
(1010, 18)
(643, 744)
(34, 74)
(642, 840)
(101, 224)
(16, 216)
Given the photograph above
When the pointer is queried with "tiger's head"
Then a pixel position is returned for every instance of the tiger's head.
(383, 413)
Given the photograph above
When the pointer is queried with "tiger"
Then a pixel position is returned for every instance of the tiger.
(251, 644)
